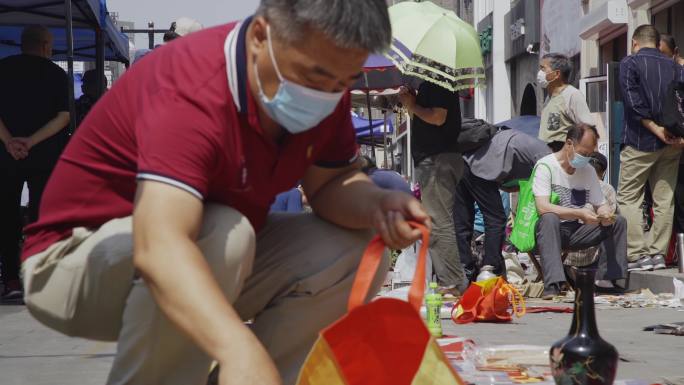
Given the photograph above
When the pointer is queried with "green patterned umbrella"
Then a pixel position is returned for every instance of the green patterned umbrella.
(433, 44)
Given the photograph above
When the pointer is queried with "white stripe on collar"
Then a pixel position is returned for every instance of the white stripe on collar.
(230, 50)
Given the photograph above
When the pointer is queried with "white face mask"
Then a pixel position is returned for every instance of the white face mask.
(541, 79)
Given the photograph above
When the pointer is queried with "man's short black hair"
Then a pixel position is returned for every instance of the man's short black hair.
(34, 36)
(560, 62)
(599, 161)
(171, 33)
(669, 41)
(646, 34)
(577, 132)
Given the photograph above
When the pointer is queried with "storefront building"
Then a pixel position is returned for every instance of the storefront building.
(493, 102)
(510, 40)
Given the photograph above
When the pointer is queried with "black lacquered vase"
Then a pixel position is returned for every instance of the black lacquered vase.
(583, 357)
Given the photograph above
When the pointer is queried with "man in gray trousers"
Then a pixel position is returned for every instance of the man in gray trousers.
(569, 224)
(439, 168)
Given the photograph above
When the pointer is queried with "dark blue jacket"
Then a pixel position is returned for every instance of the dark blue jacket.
(644, 79)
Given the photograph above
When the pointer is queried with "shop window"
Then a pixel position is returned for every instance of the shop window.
(677, 26)
(612, 51)
(661, 21)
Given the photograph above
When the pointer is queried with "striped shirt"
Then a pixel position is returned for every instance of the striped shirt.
(644, 79)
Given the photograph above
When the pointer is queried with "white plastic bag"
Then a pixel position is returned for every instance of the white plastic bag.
(678, 298)
(515, 273)
(405, 266)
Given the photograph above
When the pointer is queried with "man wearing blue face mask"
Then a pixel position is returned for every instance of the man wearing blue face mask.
(569, 224)
(155, 231)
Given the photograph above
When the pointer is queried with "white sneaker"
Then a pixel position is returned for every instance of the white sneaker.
(605, 284)
(658, 262)
(644, 263)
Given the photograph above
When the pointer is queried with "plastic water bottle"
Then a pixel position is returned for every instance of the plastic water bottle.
(486, 273)
(433, 305)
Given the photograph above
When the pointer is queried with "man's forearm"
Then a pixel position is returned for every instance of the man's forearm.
(428, 115)
(198, 307)
(5, 135)
(651, 125)
(347, 200)
(562, 212)
(57, 124)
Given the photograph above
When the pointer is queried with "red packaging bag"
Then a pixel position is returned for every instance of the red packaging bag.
(384, 342)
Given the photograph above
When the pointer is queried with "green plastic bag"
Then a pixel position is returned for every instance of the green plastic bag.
(523, 236)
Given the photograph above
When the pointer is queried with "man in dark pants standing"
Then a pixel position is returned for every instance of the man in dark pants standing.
(439, 166)
(33, 115)
(498, 164)
(471, 190)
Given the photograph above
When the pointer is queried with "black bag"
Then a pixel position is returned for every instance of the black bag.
(474, 134)
(673, 106)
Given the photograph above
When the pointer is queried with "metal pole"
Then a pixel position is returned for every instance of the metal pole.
(409, 160)
(384, 136)
(393, 141)
(370, 116)
(100, 61)
(150, 34)
(680, 251)
(70, 60)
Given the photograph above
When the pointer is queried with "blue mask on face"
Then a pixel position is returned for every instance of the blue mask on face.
(579, 161)
(295, 107)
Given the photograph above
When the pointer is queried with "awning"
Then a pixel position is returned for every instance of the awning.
(363, 129)
(87, 16)
(610, 14)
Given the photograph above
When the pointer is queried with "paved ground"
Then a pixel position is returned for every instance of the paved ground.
(32, 354)
(650, 356)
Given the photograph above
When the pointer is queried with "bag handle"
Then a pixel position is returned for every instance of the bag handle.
(517, 299)
(370, 262)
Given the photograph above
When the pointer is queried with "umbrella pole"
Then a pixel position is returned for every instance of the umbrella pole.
(370, 116)
(384, 136)
(70, 60)
(409, 156)
(393, 140)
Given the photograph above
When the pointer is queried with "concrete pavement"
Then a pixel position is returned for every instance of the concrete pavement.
(649, 356)
(33, 354)
(659, 281)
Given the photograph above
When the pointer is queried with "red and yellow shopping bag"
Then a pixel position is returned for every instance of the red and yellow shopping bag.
(491, 300)
(384, 342)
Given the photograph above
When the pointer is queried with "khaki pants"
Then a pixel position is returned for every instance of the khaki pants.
(294, 284)
(660, 169)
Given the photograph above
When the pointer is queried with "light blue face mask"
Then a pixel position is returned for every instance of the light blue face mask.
(295, 107)
(579, 161)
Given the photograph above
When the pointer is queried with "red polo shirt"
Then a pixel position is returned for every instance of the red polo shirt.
(183, 115)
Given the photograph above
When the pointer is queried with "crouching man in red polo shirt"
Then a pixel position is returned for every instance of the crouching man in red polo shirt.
(154, 231)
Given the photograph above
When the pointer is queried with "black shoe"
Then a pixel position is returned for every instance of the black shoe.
(615, 290)
(471, 273)
(13, 291)
(550, 292)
